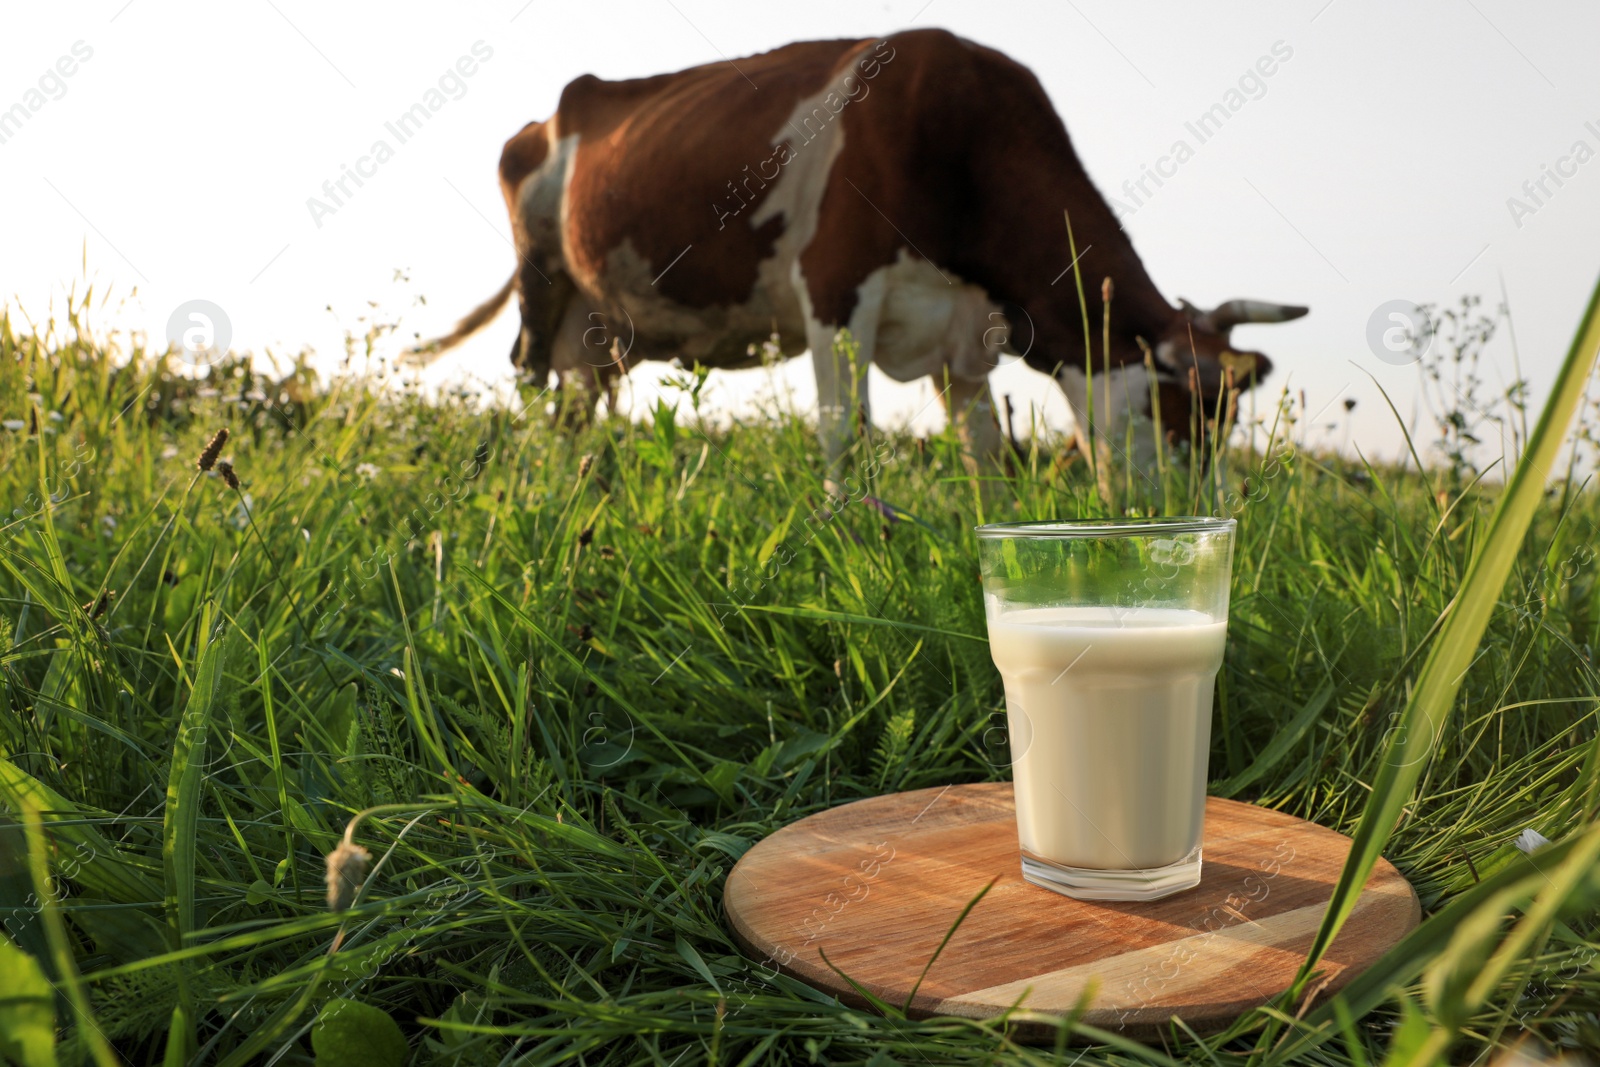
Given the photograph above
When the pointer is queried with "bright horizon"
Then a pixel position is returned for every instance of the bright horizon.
(1412, 155)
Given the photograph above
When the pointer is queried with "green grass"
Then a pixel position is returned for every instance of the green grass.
(584, 671)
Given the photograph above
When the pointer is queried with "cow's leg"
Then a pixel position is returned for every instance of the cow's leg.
(1130, 431)
(843, 404)
(1125, 447)
(841, 369)
(1075, 385)
(543, 297)
(970, 407)
(581, 356)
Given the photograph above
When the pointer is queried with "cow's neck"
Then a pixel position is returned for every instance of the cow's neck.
(1022, 255)
(1138, 310)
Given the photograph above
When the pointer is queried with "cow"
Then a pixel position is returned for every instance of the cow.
(908, 189)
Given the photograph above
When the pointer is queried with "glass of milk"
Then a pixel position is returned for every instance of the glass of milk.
(1109, 636)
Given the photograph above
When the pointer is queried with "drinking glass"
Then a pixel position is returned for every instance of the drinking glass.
(1109, 635)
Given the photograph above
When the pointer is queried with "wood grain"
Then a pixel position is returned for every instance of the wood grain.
(877, 883)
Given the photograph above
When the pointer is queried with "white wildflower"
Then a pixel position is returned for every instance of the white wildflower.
(1531, 840)
(368, 471)
(13, 424)
(170, 452)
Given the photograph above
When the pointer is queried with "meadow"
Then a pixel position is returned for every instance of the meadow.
(577, 673)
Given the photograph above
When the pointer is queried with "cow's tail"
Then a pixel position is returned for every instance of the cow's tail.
(475, 320)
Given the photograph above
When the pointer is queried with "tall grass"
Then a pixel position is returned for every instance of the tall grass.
(591, 668)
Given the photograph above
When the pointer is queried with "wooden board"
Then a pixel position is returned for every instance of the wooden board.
(876, 885)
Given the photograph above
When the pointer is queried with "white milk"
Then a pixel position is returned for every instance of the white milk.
(1109, 711)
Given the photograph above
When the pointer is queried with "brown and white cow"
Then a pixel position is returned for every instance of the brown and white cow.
(910, 190)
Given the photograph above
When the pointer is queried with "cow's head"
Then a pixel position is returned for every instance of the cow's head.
(1194, 355)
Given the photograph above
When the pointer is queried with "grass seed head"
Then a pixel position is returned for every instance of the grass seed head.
(225, 469)
(208, 456)
(347, 869)
(97, 607)
(585, 463)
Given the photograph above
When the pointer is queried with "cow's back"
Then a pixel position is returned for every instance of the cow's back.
(657, 156)
(695, 201)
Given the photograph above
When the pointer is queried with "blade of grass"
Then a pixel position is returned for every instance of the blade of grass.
(1088, 354)
(948, 934)
(1282, 741)
(889, 1011)
(1412, 954)
(1466, 618)
(179, 833)
(184, 781)
(55, 932)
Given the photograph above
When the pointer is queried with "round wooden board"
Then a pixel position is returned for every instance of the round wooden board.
(877, 884)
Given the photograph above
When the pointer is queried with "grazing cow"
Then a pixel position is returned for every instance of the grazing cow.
(909, 189)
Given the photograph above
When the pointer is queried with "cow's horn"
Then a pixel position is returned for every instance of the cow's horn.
(1231, 313)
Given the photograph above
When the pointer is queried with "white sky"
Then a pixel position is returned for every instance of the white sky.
(1376, 166)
